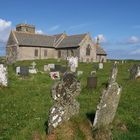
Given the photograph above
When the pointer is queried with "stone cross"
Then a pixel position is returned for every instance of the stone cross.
(3, 75)
(33, 65)
(65, 104)
(108, 104)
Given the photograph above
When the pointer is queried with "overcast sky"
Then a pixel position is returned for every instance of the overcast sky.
(116, 22)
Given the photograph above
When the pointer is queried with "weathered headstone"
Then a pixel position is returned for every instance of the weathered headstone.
(101, 66)
(65, 104)
(95, 67)
(73, 63)
(3, 75)
(92, 80)
(79, 73)
(135, 72)
(63, 69)
(24, 71)
(57, 67)
(46, 68)
(107, 107)
(51, 66)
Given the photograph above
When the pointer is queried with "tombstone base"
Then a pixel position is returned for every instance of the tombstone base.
(102, 134)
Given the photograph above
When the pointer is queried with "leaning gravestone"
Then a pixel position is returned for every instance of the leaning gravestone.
(107, 107)
(135, 72)
(3, 75)
(65, 104)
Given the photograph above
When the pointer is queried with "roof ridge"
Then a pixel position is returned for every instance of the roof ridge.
(77, 34)
(33, 33)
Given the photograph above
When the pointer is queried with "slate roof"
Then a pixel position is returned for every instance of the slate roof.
(30, 39)
(71, 41)
(100, 51)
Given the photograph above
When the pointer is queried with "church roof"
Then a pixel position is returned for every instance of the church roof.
(71, 41)
(39, 40)
(30, 39)
(100, 51)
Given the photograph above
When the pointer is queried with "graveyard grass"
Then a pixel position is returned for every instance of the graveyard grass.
(25, 104)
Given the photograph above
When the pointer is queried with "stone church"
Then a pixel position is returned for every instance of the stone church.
(25, 44)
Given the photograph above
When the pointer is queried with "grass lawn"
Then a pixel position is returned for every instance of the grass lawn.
(24, 105)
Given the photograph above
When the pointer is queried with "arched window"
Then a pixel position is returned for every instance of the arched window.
(88, 50)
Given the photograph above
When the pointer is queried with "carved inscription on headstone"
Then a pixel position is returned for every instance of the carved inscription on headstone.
(65, 104)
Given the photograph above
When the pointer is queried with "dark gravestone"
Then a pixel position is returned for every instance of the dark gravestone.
(91, 82)
(24, 71)
(63, 69)
(65, 105)
(57, 67)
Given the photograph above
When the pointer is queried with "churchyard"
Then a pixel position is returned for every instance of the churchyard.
(25, 104)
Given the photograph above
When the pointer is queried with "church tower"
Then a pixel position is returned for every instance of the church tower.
(25, 28)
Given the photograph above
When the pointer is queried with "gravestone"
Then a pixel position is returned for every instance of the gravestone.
(24, 71)
(135, 72)
(95, 67)
(51, 66)
(65, 105)
(101, 65)
(18, 70)
(3, 75)
(46, 68)
(73, 63)
(108, 104)
(32, 69)
(79, 73)
(57, 67)
(63, 69)
(92, 80)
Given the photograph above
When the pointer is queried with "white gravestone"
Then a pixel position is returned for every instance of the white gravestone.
(73, 63)
(17, 70)
(101, 65)
(3, 75)
(79, 73)
(46, 68)
(51, 66)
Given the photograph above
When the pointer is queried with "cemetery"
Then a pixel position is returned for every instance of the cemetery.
(67, 100)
